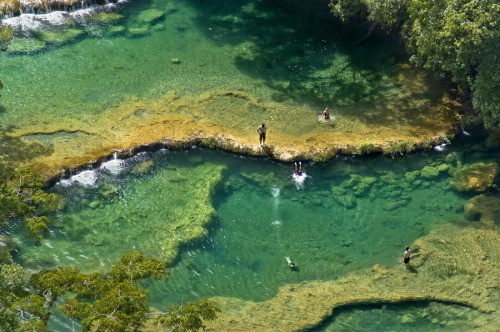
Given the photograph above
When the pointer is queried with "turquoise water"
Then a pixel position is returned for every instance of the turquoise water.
(267, 50)
(348, 214)
(262, 216)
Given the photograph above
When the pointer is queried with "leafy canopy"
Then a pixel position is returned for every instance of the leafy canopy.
(459, 38)
(22, 197)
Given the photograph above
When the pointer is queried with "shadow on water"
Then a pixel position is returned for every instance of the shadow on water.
(299, 50)
(14, 150)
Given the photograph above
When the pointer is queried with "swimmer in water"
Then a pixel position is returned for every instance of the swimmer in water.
(326, 114)
(298, 168)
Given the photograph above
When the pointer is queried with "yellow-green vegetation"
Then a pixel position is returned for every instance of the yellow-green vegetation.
(6, 34)
(453, 264)
(398, 148)
(478, 177)
(22, 197)
(191, 202)
(366, 148)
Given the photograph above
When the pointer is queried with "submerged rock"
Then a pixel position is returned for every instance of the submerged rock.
(484, 208)
(25, 46)
(150, 16)
(192, 211)
(478, 177)
(136, 32)
(143, 167)
(59, 36)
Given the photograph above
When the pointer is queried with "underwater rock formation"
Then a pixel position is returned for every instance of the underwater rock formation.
(453, 264)
(189, 220)
(477, 177)
(484, 208)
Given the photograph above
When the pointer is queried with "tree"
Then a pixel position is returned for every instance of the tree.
(190, 316)
(458, 38)
(19, 309)
(115, 301)
(22, 197)
(6, 35)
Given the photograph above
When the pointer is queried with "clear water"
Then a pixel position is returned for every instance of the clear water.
(262, 216)
(256, 47)
(349, 214)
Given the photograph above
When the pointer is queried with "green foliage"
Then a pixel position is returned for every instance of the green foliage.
(19, 310)
(22, 197)
(190, 316)
(398, 148)
(112, 302)
(6, 35)
(383, 12)
(210, 142)
(366, 148)
(458, 38)
(134, 265)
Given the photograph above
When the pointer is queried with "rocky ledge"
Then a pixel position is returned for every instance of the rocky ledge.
(61, 146)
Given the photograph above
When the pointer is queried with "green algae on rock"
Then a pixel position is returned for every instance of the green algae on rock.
(191, 189)
(150, 16)
(484, 208)
(478, 177)
(58, 36)
(453, 264)
(20, 45)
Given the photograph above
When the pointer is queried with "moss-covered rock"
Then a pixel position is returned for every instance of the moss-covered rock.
(477, 177)
(429, 172)
(58, 36)
(106, 18)
(117, 30)
(25, 46)
(138, 31)
(150, 16)
(484, 208)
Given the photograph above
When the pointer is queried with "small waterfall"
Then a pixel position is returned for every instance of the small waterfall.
(115, 165)
(18, 7)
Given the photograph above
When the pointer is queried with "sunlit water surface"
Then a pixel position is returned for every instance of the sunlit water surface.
(348, 214)
(263, 215)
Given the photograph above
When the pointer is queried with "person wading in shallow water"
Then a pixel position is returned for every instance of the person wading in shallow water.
(262, 133)
(326, 114)
(406, 255)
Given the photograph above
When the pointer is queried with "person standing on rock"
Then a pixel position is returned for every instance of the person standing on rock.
(262, 133)
(406, 255)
